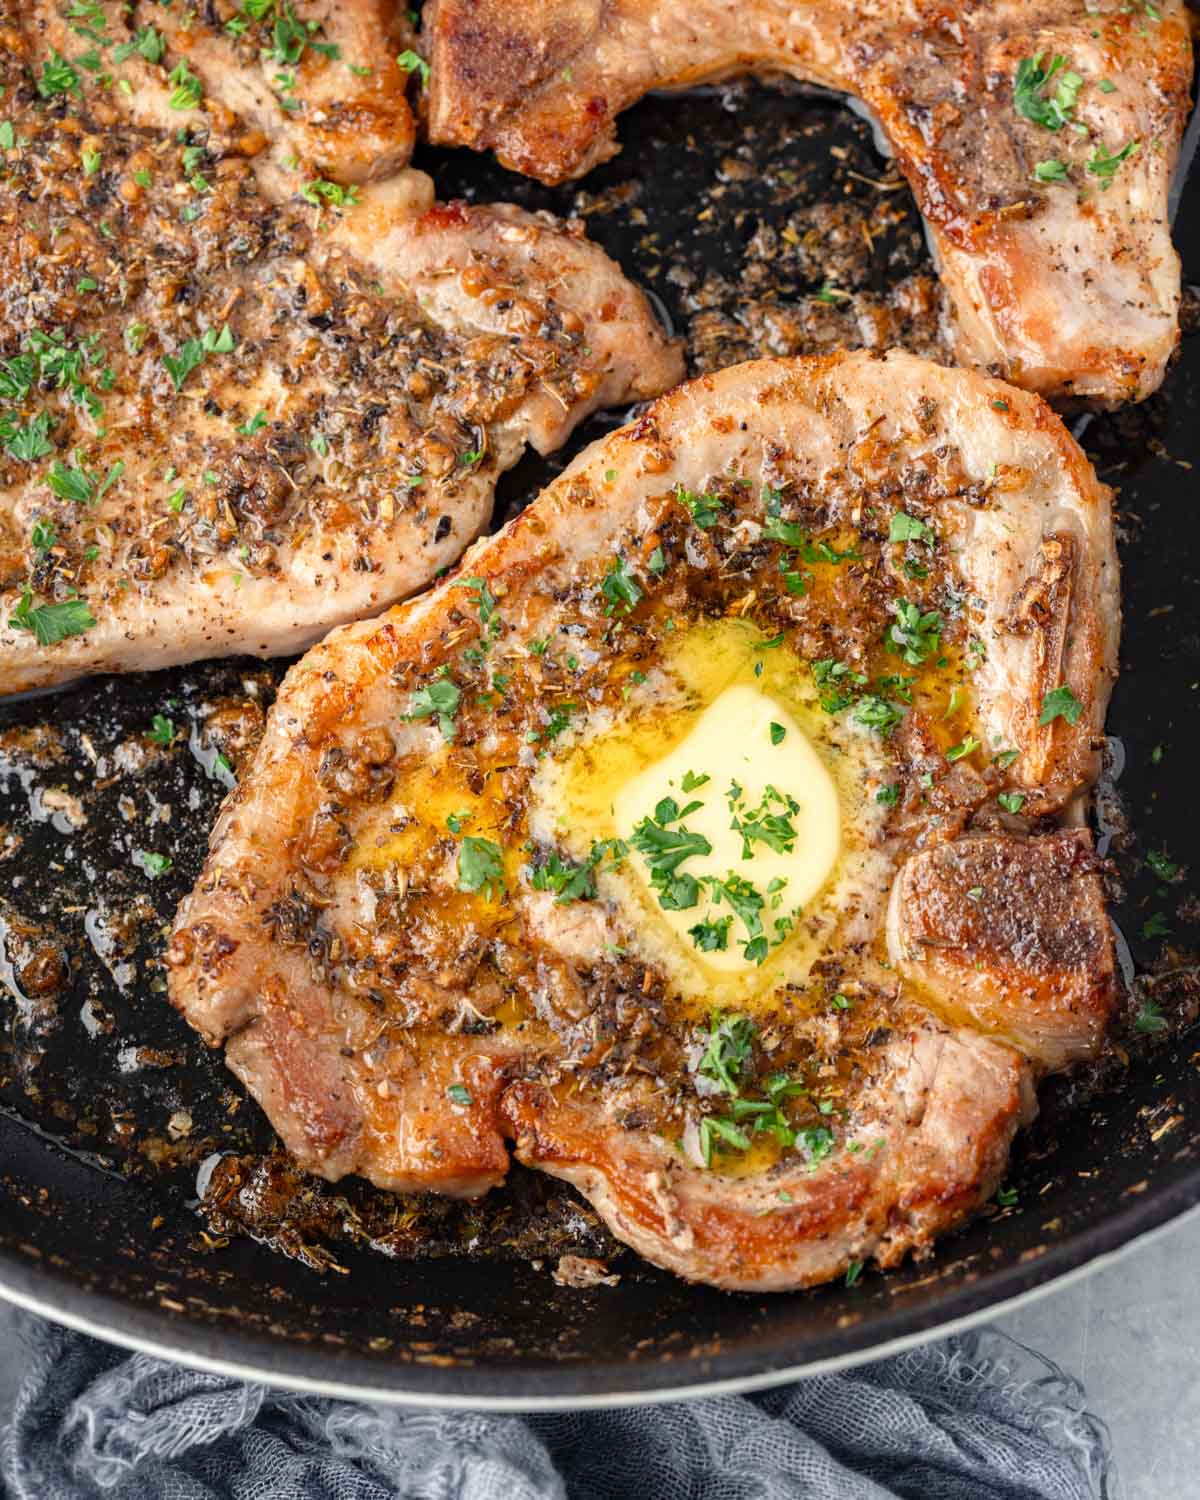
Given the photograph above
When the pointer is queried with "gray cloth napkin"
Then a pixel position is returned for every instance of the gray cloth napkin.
(974, 1418)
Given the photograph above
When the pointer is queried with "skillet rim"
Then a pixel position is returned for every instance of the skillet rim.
(600, 1383)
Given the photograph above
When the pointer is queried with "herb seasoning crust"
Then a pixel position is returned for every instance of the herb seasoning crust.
(415, 961)
(239, 403)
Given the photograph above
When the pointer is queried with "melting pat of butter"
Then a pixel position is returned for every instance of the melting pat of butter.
(761, 772)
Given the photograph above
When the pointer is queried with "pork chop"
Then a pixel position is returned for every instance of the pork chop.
(230, 423)
(425, 927)
(1038, 136)
(310, 82)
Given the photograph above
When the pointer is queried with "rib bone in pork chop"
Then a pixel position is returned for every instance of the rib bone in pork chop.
(228, 423)
(477, 886)
(1038, 136)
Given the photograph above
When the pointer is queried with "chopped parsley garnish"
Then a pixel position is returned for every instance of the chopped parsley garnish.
(569, 881)
(193, 353)
(705, 510)
(481, 867)
(815, 1143)
(1011, 802)
(1149, 1018)
(1155, 926)
(1007, 1197)
(915, 635)
(906, 528)
(256, 423)
(778, 733)
(964, 748)
(620, 588)
(878, 713)
(853, 1272)
(1053, 111)
(291, 36)
(153, 864)
(833, 677)
(457, 821)
(1050, 171)
(787, 532)
(824, 552)
(148, 43)
(321, 191)
(723, 1064)
(691, 781)
(458, 1093)
(187, 90)
(711, 937)
(1060, 703)
(888, 795)
(557, 721)
(747, 903)
(51, 623)
(42, 537)
(730, 1041)
(162, 730)
(665, 849)
(114, 473)
(487, 600)
(70, 484)
(58, 77)
(30, 442)
(17, 376)
(1164, 867)
(714, 1131)
(440, 700)
(761, 825)
(1101, 164)
(413, 62)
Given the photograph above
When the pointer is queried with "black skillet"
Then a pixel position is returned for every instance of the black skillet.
(108, 1103)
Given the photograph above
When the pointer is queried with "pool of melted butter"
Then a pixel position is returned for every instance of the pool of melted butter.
(720, 688)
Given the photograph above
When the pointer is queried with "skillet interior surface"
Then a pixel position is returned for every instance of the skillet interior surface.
(766, 224)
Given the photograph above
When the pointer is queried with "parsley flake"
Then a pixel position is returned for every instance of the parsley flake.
(51, 623)
(1060, 703)
(481, 867)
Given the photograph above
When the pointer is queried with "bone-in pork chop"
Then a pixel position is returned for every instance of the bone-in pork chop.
(227, 423)
(1038, 136)
(589, 848)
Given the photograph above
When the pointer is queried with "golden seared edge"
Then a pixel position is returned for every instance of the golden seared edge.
(1057, 260)
(928, 1144)
(356, 993)
(1013, 935)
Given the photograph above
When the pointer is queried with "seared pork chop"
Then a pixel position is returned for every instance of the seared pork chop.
(1038, 136)
(429, 923)
(229, 423)
(312, 82)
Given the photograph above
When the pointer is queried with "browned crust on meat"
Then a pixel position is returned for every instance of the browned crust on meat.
(1013, 933)
(933, 1133)
(541, 83)
(253, 953)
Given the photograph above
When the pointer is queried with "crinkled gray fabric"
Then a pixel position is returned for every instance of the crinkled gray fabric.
(974, 1418)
